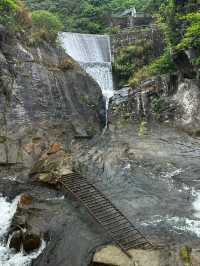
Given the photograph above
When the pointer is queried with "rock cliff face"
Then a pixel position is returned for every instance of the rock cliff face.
(46, 103)
(172, 99)
(44, 98)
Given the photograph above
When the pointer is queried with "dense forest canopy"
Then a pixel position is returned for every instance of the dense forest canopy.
(89, 15)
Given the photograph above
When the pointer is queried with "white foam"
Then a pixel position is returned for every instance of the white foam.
(173, 173)
(7, 256)
(196, 204)
(7, 211)
(179, 223)
(11, 178)
(56, 198)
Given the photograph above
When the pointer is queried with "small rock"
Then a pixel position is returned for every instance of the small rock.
(29, 148)
(55, 148)
(25, 200)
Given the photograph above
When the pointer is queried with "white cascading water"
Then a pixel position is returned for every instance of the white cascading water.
(9, 257)
(93, 53)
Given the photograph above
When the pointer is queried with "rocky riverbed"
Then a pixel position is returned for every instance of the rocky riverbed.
(153, 179)
(146, 163)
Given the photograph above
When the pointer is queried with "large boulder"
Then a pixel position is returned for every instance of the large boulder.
(187, 99)
(52, 165)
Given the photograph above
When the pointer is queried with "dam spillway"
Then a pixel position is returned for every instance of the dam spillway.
(93, 53)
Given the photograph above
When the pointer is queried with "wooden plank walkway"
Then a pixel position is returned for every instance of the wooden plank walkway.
(119, 229)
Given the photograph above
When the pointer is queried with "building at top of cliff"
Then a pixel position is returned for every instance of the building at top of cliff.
(130, 18)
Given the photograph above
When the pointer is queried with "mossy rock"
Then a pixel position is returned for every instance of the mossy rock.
(45, 177)
(3, 139)
(185, 254)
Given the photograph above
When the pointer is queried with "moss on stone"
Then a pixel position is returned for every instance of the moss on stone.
(185, 253)
(3, 139)
(142, 128)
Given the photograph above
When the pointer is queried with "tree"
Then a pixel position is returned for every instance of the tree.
(46, 25)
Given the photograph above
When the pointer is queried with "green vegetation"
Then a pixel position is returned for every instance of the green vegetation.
(178, 20)
(142, 128)
(38, 26)
(192, 35)
(87, 16)
(185, 254)
(164, 64)
(45, 25)
(181, 29)
(14, 15)
(129, 60)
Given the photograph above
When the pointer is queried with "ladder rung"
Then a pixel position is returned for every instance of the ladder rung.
(128, 235)
(113, 222)
(119, 229)
(83, 192)
(136, 245)
(89, 195)
(79, 191)
(106, 205)
(94, 203)
(92, 207)
(76, 187)
(125, 232)
(116, 224)
(115, 217)
(105, 212)
(129, 241)
(75, 182)
(102, 214)
(83, 197)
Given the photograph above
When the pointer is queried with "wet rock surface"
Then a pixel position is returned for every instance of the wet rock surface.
(169, 99)
(41, 102)
(44, 107)
(151, 178)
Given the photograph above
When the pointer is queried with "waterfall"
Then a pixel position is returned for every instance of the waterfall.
(93, 53)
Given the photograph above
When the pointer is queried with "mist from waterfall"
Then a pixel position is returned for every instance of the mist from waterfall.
(93, 53)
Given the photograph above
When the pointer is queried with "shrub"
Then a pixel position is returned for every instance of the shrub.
(8, 12)
(66, 64)
(45, 25)
(139, 76)
(164, 64)
(132, 58)
(192, 34)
